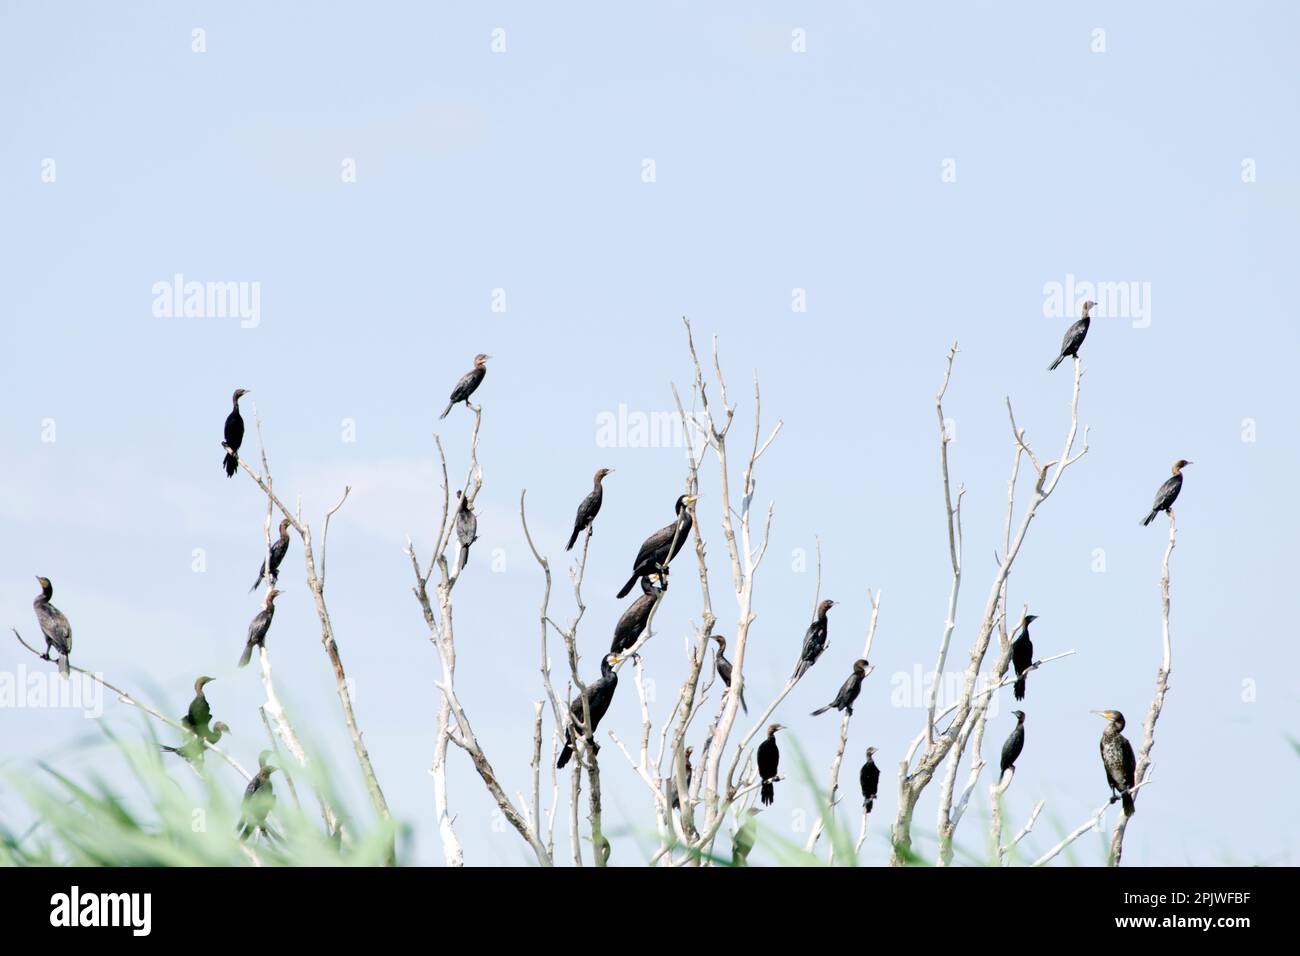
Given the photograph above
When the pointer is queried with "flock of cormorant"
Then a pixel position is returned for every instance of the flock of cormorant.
(650, 567)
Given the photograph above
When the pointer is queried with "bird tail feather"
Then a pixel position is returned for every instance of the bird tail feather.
(446, 411)
(565, 754)
(871, 802)
(1128, 804)
(1020, 688)
(1059, 359)
(572, 539)
(627, 588)
(743, 705)
(1151, 517)
(822, 710)
(231, 464)
(464, 556)
(768, 793)
(246, 656)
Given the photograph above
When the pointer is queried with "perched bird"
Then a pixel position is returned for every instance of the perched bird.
(1168, 492)
(1015, 743)
(743, 842)
(1074, 336)
(671, 781)
(259, 800)
(466, 528)
(259, 626)
(869, 778)
(1117, 757)
(589, 508)
(848, 691)
(200, 713)
(769, 764)
(629, 627)
(814, 642)
(279, 548)
(469, 381)
(662, 546)
(1022, 655)
(55, 627)
(724, 668)
(600, 693)
(193, 747)
(234, 434)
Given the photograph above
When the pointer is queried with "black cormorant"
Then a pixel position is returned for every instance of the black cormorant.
(1074, 336)
(769, 764)
(814, 642)
(869, 778)
(1117, 757)
(466, 528)
(848, 691)
(724, 668)
(234, 435)
(600, 693)
(1168, 492)
(589, 508)
(279, 548)
(55, 627)
(200, 713)
(1022, 655)
(259, 626)
(1015, 743)
(469, 381)
(629, 627)
(662, 546)
(259, 799)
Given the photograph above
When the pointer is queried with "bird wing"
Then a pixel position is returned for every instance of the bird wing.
(1074, 335)
(1130, 763)
(1168, 492)
(658, 542)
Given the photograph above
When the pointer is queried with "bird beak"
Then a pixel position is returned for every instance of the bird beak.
(1104, 714)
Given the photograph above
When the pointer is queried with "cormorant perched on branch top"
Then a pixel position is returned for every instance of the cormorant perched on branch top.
(848, 691)
(1074, 336)
(279, 548)
(600, 694)
(1022, 655)
(468, 382)
(769, 764)
(55, 627)
(589, 508)
(259, 799)
(1168, 492)
(662, 546)
(234, 434)
(1117, 757)
(869, 779)
(466, 529)
(629, 627)
(724, 669)
(258, 627)
(814, 641)
(1015, 743)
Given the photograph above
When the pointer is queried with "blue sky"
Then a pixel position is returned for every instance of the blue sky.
(522, 171)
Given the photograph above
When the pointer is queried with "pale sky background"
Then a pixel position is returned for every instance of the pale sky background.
(775, 171)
